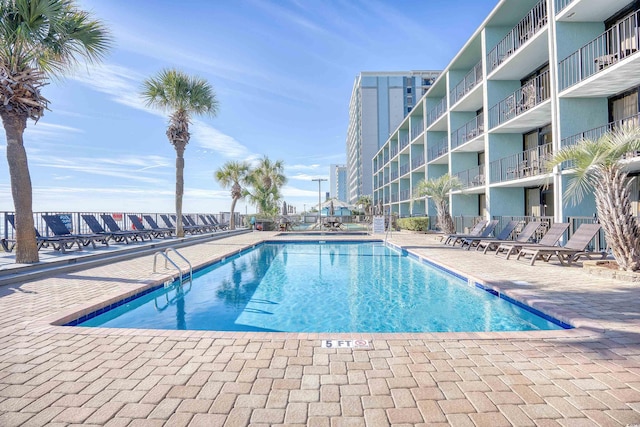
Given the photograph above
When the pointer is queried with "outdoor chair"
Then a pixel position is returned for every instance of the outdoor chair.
(58, 227)
(57, 243)
(204, 220)
(137, 223)
(571, 251)
(486, 232)
(221, 225)
(7, 244)
(550, 238)
(133, 234)
(472, 242)
(524, 236)
(156, 228)
(187, 221)
(116, 236)
(475, 231)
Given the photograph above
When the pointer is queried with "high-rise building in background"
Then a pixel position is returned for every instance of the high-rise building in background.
(338, 182)
(379, 103)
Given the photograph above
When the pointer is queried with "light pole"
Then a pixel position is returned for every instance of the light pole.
(319, 196)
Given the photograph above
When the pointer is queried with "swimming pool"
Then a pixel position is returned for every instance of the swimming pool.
(322, 287)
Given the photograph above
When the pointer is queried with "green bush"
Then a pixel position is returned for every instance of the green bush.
(414, 223)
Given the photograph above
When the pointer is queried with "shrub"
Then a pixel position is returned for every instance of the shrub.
(414, 223)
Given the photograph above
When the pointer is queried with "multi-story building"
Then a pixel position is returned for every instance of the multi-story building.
(379, 102)
(536, 76)
(338, 182)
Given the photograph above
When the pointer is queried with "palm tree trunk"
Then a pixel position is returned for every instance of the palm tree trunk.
(620, 227)
(179, 189)
(26, 245)
(232, 221)
(445, 222)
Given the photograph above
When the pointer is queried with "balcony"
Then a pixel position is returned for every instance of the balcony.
(587, 10)
(469, 82)
(394, 152)
(394, 198)
(438, 150)
(615, 49)
(404, 169)
(386, 160)
(529, 96)
(405, 194)
(532, 23)
(417, 162)
(473, 177)
(404, 141)
(561, 4)
(470, 131)
(596, 133)
(394, 176)
(436, 112)
(529, 163)
(417, 129)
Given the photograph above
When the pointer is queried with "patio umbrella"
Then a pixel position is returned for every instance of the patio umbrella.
(284, 208)
(331, 209)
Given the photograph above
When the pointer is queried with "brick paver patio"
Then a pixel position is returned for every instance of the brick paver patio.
(54, 375)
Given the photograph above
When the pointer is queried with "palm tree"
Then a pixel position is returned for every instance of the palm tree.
(267, 178)
(598, 166)
(181, 95)
(233, 174)
(366, 203)
(438, 190)
(39, 39)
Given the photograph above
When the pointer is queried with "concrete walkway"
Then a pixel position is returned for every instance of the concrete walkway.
(55, 375)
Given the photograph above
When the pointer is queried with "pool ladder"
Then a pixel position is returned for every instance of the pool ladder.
(165, 255)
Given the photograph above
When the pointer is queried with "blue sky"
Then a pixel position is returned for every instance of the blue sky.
(282, 70)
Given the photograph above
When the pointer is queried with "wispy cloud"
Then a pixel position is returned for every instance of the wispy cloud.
(307, 177)
(303, 167)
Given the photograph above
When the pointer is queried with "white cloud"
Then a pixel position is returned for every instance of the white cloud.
(303, 167)
(307, 177)
(288, 191)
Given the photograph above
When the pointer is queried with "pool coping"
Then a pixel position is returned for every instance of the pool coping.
(57, 322)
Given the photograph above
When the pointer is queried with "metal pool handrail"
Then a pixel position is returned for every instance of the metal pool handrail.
(165, 255)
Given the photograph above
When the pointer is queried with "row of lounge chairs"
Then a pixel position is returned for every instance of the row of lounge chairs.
(546, 248)
(63, 240)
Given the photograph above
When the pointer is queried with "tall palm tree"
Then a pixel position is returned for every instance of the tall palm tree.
(39, 39)
(438, 190)
(598, 166)
(267, 178)
(182, 96)
(233, 174)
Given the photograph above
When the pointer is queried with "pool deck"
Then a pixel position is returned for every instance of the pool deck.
(56, 375)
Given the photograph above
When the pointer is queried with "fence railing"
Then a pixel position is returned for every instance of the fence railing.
(534, 92)
(440, 149)
(416, 162)
(467, 83)
(468, 131)
(436, 112)
(532, 22)
(473, 177)
(561, 4)
(404, 140)
(405, 194)
(417, 129)
(404, 168)
(612, 46)
(526, 163)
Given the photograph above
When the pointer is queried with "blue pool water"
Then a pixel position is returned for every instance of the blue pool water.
(322, 287)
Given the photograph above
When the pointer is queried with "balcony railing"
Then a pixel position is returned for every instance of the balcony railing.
(534, 92)
(386, 160)
(386, 179)
(394, 151)
(468, 132)
(612, 46)
(394, 175)
(417, 162)
(404, 140)
(473, 177)
(436, 112)
(417, 129)
(561, 4)
(405, 194)
(404, 169)
(469, 82)
(527, 163)
(532, 22)
(394, 197)
(596, 133)
(440, 149)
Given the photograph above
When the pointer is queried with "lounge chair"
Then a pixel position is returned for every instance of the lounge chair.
(486, 232)
(205, 220)
(116, 236)
(137, 223)
(187, 228)
(475, 231)
(472, 242)
(57, 226)
(220, 225)
(550, 238)
(7, 244)
(57, 243)
(134, 234)
(190, 224)
(205, 226)
(524, 236)
(571, 251)
(154, 225)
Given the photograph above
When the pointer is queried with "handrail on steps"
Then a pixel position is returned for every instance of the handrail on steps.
(165, 255)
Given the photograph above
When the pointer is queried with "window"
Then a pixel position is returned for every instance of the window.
(624, 106)
(408, 90)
